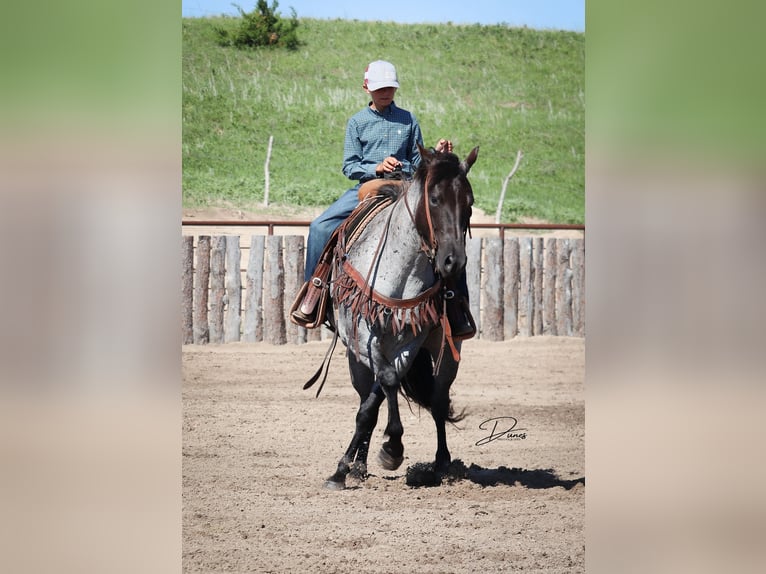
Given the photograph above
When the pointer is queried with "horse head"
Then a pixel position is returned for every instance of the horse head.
(443, 214)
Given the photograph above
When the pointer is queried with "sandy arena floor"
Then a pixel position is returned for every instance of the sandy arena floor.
(257, 449)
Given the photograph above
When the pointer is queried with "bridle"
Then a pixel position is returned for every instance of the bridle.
(430, 244)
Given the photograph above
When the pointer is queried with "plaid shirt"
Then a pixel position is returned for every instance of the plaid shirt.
(371, 137)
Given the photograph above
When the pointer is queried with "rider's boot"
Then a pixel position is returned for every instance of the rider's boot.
(310, 306)
(459, 315)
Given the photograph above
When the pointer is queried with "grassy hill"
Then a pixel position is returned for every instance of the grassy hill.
(501, 88)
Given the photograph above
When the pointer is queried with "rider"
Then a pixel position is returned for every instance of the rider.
(381, 139)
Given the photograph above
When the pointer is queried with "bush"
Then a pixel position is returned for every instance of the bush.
(262, 27)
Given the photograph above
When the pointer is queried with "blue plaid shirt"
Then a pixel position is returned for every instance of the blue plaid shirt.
(371, 137)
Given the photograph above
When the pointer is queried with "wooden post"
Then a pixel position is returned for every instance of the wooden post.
(233, 290)
(577, 262)
(187, 289)
(549, 288)
(563, 289)
(274, 293)
(511, 287)
(473, 276)
(266, 174)
(293, 281)
(493, 289)
(537, 256)
(253, 330)
(217, 291)
(499, 211)
(324, 333)
(316, 334)
(201, 327)
(526, 289)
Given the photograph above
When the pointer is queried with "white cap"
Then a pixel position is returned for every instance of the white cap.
(380, 74)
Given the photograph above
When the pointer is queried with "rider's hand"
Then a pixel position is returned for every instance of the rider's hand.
(443, 146)
(388, 165)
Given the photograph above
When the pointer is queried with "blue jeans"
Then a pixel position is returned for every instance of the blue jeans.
(322, 227)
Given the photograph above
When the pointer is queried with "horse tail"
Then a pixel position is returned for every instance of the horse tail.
(418, 385)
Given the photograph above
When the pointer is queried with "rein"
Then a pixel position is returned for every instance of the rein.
(428, 248)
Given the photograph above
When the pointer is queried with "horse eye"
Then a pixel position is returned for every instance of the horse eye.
(432, 200)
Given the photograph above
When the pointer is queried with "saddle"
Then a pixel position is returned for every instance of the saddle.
(309, 309)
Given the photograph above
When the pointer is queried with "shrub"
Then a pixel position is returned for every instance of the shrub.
(262, 27)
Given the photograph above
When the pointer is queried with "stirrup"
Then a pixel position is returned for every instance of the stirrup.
(309, 309)
(459, 316)
(301, 319)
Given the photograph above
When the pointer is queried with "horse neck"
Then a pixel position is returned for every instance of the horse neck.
(393, 252)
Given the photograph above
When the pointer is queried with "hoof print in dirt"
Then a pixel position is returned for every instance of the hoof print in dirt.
(456, 471)
(422, 474)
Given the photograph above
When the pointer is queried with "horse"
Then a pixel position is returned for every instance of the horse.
(389, 296)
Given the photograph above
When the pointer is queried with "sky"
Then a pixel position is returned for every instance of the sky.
(539, 14)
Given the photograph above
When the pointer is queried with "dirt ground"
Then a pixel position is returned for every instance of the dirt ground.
(257, 450)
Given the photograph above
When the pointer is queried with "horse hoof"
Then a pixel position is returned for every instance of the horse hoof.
(389, 462)
(358, 471)
(331, 484)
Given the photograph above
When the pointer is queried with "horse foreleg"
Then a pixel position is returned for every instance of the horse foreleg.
(366, 418)
(391, 452)
(359, 466)
(371, 397)
(440, 412)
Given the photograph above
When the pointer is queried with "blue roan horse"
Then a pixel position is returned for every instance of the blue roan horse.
(389, 292)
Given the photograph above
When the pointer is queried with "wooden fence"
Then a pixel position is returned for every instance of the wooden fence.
(518, 286)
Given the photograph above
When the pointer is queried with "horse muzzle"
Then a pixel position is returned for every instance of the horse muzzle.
(450, 262)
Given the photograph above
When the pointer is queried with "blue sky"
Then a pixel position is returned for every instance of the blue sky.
(541, 14)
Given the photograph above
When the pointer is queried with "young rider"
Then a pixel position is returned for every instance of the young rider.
(380, 139)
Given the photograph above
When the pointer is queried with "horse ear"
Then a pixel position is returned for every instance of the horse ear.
(470, 160)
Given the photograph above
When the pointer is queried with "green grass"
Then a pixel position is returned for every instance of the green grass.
(501, 88)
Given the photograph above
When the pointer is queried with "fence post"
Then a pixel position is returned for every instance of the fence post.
(563, 289)
(187, 289)
(473, 277)
(549, 288)
(511, 287)
(293, 281)
(493, 289)
(233, 290)
(526, 288)
(577, 261)
(253, 329)
(315, 334)
(217, 288)
(201, 326)
(537, 259)
(274, 293)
